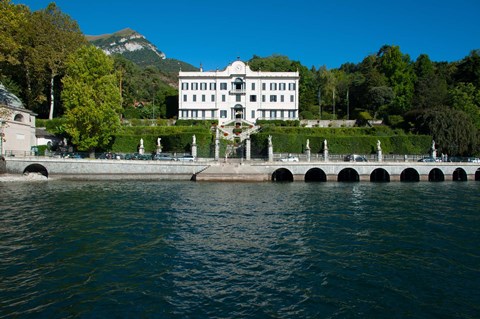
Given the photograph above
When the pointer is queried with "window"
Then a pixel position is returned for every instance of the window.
(203, 98)
(203, 114)
(281, 86)
(263, 98)
(273, 114)
(184, 114)
(184, 86)
(213, 97)
(253, 114)
(238, 98)
(194, 86)
(291, 114)
(212, 112)
(282, 98)
(223, 98)
(194, 98)
(292, 98)
(203, 86)
(194, 114)
(273, 86)
(264, 86)
(223, 114)
(213, 86)
(253, 98)
(223, 86)
(253, 86)
(291, 86)
(184, 98)
(273, 98)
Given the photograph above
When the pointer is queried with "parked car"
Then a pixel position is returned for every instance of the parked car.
(355, 158)
(186, 158)
(290, 158)
(427, 160)
(163, 157)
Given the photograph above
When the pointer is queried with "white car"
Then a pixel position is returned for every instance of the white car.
(290, 158)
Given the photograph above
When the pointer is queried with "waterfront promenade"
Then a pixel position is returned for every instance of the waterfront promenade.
(236, 170)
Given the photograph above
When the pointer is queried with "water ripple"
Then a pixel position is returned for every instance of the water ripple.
(180, 250)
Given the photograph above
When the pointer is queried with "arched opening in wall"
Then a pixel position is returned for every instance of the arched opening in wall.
(379, 175)
(459, 175)
(18, 118)
(409, 175)
(282, 175)
(348, 175)
(315, 175)
(436, 175)
(477, 175)
(36, 168)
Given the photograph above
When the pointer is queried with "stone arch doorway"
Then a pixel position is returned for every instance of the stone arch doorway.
(315, 175)
(282, 175)
(436, 175)
(409, 175)
(238, 112)
(36, 168)
(459, 175)
(348, 175)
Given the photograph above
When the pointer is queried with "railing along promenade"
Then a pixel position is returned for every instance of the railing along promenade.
(391, 168)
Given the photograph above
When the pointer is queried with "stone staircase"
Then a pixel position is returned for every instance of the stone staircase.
(238, 130)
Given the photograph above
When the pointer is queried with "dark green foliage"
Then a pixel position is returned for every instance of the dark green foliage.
(340, 140)
(264, 123)
(453, 131)
(173, 139)
(200, 123)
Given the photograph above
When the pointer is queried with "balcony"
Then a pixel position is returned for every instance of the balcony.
(237, 91)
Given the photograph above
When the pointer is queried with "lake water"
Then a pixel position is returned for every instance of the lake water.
(137, 249)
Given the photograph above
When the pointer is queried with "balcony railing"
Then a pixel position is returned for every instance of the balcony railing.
(238, 91)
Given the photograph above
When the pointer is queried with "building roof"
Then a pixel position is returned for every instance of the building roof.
(11, 101)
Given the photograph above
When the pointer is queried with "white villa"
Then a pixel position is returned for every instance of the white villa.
(238, 93)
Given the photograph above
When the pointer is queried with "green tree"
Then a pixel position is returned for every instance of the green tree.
(430, 87)
(468, 70)
(466, 97)
(92, 98)
(56, 36)
(400, 76)
(452, 130)
(14, 18)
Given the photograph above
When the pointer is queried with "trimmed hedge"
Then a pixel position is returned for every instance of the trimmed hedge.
(295, 143)
(200, 123)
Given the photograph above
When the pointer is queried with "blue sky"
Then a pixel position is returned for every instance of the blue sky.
(314, 32)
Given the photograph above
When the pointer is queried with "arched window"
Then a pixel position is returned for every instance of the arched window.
(18, 118)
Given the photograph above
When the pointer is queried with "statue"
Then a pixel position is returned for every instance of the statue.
(269, 140)
(325, 146)
(194, 139)
(308, 144)
(433, 145)
(141, 142)
(379, 147)
(159, 141)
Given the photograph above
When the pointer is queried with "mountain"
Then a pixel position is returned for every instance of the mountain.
(136, 48)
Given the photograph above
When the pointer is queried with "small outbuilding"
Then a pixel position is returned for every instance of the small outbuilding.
(17, 125)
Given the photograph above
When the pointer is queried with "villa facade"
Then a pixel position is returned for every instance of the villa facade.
(17, 125)
(238, 93)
